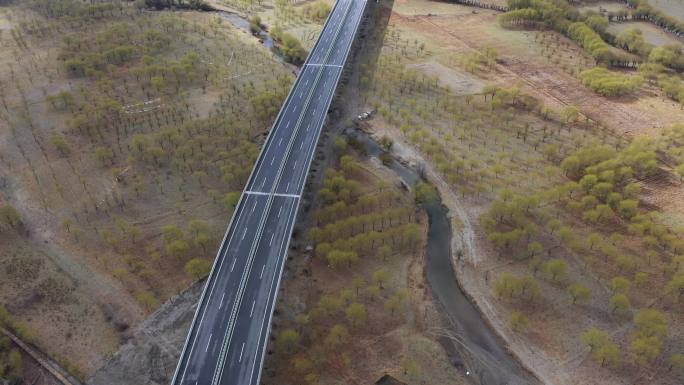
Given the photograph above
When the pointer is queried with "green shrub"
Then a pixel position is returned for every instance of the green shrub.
(609, 83)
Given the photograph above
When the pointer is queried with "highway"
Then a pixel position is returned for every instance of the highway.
(228, 338)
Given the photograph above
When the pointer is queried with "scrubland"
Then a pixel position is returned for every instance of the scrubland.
(561, 164)
(556, 142)
(125, 138)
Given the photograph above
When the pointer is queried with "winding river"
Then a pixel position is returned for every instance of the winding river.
(471, 344)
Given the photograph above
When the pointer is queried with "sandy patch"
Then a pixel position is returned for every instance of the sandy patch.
(461, 82)
(609, 6)
(425, 7)
(670, 7)
(521, 63)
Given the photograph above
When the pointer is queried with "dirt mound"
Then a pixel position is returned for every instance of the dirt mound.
(150, 356)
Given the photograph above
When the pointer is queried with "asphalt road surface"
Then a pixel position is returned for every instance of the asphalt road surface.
(228, 337)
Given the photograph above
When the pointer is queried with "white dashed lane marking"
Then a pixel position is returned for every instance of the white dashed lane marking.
(208, 342)
(242, 350)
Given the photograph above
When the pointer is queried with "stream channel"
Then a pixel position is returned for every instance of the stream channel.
(471, 344)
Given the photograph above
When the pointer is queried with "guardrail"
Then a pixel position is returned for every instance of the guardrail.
(239, 206)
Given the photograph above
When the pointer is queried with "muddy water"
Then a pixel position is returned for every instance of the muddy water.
(472, 345)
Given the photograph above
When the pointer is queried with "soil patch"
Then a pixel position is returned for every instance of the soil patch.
(458, 80)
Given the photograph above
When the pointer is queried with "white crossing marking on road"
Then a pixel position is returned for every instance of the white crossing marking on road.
(262, 271)
(325, 38)
(274, 194)
(208, 342)
(252, 311)
(222, 296)
(324, 65)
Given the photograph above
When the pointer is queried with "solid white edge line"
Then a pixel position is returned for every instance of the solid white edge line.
(218, 263)
(279, 273)
(218, 370)
(296, 206)
(239, 212)
(235, 218)
(208, 343)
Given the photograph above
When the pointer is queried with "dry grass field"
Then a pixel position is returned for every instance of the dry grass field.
(121, 171)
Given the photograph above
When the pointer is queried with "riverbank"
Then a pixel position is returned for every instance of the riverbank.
(484, 350)
(469, 263)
